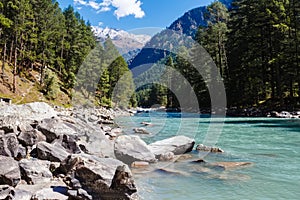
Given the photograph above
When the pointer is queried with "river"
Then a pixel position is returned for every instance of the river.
(272, 145)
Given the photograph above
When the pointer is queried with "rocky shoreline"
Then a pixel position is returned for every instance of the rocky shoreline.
(76, 154)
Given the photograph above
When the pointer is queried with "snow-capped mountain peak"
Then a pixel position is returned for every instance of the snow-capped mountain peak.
(116, 35)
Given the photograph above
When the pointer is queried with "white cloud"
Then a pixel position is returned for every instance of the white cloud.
(128, 7)
(94, 5)
(123, 8)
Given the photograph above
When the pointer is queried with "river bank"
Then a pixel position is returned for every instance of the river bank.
(78, 153)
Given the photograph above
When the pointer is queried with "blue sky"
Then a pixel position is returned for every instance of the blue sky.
(132, 14)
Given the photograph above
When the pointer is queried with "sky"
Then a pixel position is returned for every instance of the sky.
(130, 15)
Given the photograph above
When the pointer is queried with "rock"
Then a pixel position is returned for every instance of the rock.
(147, 123)
(35, 171)
(131, 148)
(97, 176)
(117, 131)
(9, 145)
(141, 131)
(202, 147)
(9, 171)
(53, 128)
(166, 156)
(103, 121)
(96, 143)
(79, 194)
(69, 143)
(177, 145)
(139, 164)
(54, 153)
(106, 128)
(30, 138)
(22, 152)
(22, 195)
(30, 111)
(54, 184)
(9, 124)
(183, 157)
(230, 165)
(7, 192)
(172, 171)
(123, 182)
(49, 194)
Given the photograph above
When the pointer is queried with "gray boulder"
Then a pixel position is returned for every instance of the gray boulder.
(131, 148)
(51, 152)
(31, 137)
(35, 171)
(177, 145)
(9, 124)
(53, 128)
(49, 194)
(98, 176)
(9, 171)
(9, 145)
(7, 192)
(69, 143)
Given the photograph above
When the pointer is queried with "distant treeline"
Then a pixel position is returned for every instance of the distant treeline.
(255, 46)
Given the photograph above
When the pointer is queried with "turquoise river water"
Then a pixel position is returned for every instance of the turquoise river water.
(272, 145)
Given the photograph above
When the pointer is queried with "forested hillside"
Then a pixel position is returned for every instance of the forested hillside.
(43, 48)
(255, 45)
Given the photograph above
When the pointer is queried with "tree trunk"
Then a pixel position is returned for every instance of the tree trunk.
(15, 72)
(4, 59)
(11, 51)
(42, 69)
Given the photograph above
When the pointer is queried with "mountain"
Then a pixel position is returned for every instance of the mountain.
(128, 44)
(186, 24)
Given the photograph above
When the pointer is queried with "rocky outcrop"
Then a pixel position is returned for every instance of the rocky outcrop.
(53, 128)
(131, 148)
(103, 178)
(44, 147)
(177, 145)
(51, 152)
(35, 171)
(8, 192)
(9, 145)
(9, 171)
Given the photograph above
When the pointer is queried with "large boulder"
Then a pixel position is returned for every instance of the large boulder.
(96, 143)
(98, 176)
(177, 145)
(51, 152)
(31, 137)
(49, 194)
(53, 128)
(9, 171)
(9, 145)
(131, 148)
(35, 171)
(8, 192)
(9, 124)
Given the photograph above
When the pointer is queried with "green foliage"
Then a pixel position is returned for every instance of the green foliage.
(50, 86)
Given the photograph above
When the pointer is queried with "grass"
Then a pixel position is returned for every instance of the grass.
(28, 89)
